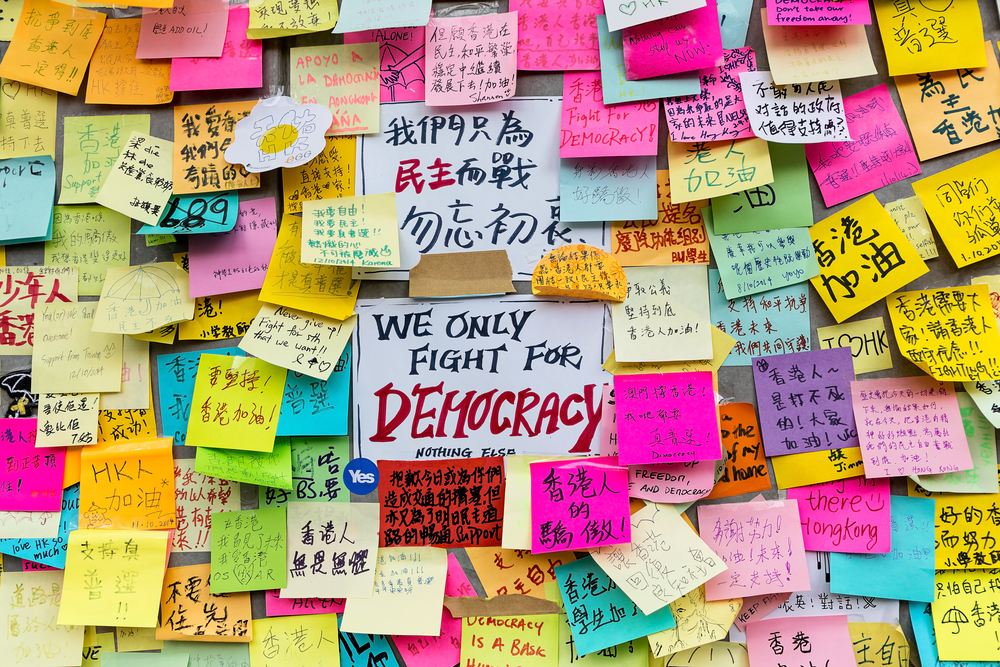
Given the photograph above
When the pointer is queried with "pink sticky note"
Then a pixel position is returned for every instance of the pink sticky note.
(880, 154)
(471, 60)
(445, 649)
(609, 430)
(189, 29)
(591, 129)
(32, 566)
(800, 641)
(278, 606)
(682, 43)
(238, 67)
(719, 113)
(667, 418)
(557, 36)
(579, 504)
(819, 12)
(847, 516)
(909, 426)
(30, 479)
(757, 607)
(401, 61)
(760, 542)
(671, 482)
(236, 260)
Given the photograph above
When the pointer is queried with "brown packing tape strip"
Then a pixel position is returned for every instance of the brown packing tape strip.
(501, 605)
(461, 274)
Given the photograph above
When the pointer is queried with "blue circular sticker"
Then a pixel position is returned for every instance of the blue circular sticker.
(361, 476)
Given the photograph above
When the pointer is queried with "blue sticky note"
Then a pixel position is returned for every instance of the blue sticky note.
(765, 324)
(734, 19)
(923, 632)
(616, 89)
(27, 193)
(197, 214)
(315, 407)
(595, 606)
(595, 189)
(49, 551)
(907, 571)
(360, 650)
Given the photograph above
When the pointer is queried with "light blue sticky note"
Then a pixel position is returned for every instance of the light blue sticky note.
(377, 14)
(734, 19)
(360, 650)
(210, 654)
(774, 322)
(923, 632)
(49, 551)
(596, 189)
(616, 89)
(907, 571)
(197, 214)
(176, 375)
(755, 262)
(27, 193)
(592, 600)
(315, 407)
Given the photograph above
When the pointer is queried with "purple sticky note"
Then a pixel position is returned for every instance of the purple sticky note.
(237, 260)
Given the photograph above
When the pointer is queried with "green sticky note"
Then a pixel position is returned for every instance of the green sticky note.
(158, 239)
(210, 653)
(266, 469)
(93, 238)
(144, 660)
(91, 144)
(248, 550)
(317, 473)
(784, 204)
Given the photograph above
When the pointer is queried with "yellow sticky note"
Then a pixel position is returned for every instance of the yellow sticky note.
(9, 18)
(92, 238)
(929, 101)
(137, 639)
(993, 285)
(23, 289)
(95, 644)
(327, 176)
(202, 132)
(67, 420)
(139, 184)
(805, 53)
(118, 77)
(930, 37)
(961, 600)
(135, 391)
(516, 571)
(138, 299)
(677, 236)
(127, 425)
(863, 256)
(91, 146)
(272, 18)
(324, 290)
(489, 641)
(816, 467)
(722, 345)
(886, 641)
(109, 576)
(297, 340)
(221, 317)
(128, 485)
(867, 339)
(357, 231)
(394, 610)
(28, 121)
(342, 77)
(710, 169)
(698, 622)
(29, 606)
(950, 333)
(955, 200)
(295, 641)
(71, 358)
(235, 403)
(911, 218)
(52, 45)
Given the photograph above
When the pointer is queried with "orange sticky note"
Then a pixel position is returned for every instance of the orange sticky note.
(128, 485)
(52, 45)
(118, 77)
(189, 612)
(202, 132)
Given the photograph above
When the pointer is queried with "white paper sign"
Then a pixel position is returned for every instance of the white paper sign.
(625, 13)
(483, 377)
(799, 113)
(465, 180)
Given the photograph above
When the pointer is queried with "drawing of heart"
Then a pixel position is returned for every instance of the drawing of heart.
(627, 8)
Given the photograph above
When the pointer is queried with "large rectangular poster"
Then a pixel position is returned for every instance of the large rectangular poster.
(482, 377)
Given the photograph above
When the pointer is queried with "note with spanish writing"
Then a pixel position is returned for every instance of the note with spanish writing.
(29, 129)
(343, 78)
(128, 485)
(69, 356)
(709, 169)
(801, 54)
(718, 113)
(685, 43)
(138, 299)
(930, 37)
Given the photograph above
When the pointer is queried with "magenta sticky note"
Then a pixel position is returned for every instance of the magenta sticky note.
(591, 129)
(801, 641)
(667, 418)
(236, 260)
(557, 36)
(880, 154)
(239, 66)
(847, 515)
(279, 606)
(909, 426)
(682, 43)
(719, 112)
(819, 12)
(609, 429)
(671, 482)
(401, 61)
(30, 479)
(578, 504)
(760, 542)
(189, 29)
